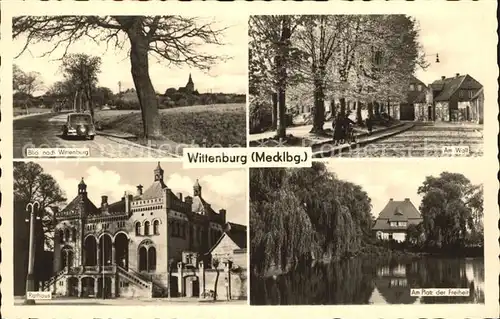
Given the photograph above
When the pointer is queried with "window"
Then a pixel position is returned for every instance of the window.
(146, 228)
(137, 228)
(156, 227)
(419, 87)
(402, 224)
(66, 235)
(394, 224)
(73, 235)
(412, 87)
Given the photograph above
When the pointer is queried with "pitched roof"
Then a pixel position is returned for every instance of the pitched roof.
(397, 211)
(395, 208)
(89, 207)
(448, 86)
(236, 232)
(416, 96)
(154, 191)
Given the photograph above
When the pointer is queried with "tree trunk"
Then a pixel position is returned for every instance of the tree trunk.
(342, 106)
(333, 108)
(75, 101)
(388, 108)
(216, 283)
(377, 109)
(319, 100)
(282, 76)
(370, 110)
(90, 102)
(359, 118)
(139, 47)
(274, 123)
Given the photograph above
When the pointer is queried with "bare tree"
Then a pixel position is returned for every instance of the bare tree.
(82, 69)
(174, 39)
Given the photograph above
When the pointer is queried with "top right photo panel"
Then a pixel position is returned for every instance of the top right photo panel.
(391, 85)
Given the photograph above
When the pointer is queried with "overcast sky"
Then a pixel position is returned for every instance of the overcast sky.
(227, 76)
(399, 179)
(222, 188)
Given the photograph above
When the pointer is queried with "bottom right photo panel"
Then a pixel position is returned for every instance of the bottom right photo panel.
(352, 233)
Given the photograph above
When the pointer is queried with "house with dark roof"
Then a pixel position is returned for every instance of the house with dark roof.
(452, 99)
(393, 221)
(416, 99)
(138, 245)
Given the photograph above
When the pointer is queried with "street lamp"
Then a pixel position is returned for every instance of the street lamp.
(32, 209)
(436, 54)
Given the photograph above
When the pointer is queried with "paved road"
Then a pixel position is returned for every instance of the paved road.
(424, 141)
(44, 131)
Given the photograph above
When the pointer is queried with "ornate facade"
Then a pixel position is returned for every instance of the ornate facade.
(152, 243)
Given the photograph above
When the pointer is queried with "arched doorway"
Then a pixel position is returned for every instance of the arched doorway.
(88, 287)
(106, 248)
(121, 250)
(90, 250)
(192, 285)
(104, 287)
(73, 287)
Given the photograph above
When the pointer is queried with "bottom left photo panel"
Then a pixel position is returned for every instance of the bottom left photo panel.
(129, 232)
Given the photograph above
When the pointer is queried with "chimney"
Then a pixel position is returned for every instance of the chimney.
(391, 199)
(139, 190)
(407, 199)
(457, 75)
(126, 197)
(179, 195)
(443, 77)
(104, 201)
(222, 213)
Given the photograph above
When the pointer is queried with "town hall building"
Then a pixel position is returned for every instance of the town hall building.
(393, 221)
(152, 244)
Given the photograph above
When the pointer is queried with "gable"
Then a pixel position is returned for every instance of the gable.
(225, 246)
(451, 85)
(399, 210)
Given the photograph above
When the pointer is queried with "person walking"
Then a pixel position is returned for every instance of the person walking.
(369, 124)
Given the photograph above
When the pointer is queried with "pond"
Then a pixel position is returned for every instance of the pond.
(367, 281)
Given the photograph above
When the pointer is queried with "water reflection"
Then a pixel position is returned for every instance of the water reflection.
(368, 281)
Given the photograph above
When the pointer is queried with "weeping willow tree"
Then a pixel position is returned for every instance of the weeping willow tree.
(299, 214)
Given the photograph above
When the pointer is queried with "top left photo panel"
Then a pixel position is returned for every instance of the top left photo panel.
(127, 86)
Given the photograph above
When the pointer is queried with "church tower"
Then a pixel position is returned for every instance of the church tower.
(197, 189)
(190, 84)
(158, 172)
(82, 188)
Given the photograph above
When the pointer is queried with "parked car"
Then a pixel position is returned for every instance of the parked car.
(79, 125)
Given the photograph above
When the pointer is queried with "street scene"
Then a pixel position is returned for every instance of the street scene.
(93, 238)
(95, 95)
(366, 86)
(341, 234)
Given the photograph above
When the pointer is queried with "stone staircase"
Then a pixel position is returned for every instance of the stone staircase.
(146, 284)
(53, 279)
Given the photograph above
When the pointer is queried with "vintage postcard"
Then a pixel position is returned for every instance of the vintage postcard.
(276, 159)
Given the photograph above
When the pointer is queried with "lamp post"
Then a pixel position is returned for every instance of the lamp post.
(32, 208)
(434, 54)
